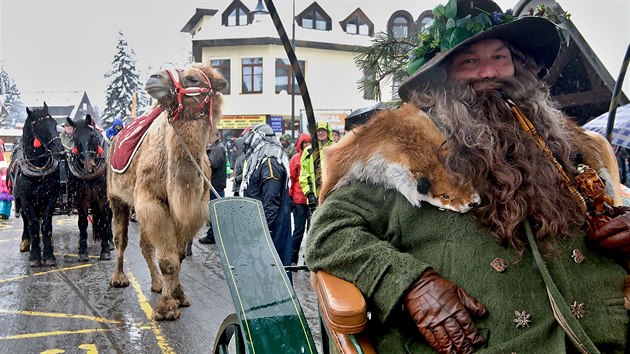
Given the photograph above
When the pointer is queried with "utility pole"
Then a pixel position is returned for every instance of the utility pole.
(293, 78)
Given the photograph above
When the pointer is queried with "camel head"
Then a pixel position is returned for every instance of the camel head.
(187, 91)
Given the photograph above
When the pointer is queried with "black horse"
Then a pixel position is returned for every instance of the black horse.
(88, 184)
(36, 183)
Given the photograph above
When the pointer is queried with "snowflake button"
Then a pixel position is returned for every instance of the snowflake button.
(577, 309)
(522, 320)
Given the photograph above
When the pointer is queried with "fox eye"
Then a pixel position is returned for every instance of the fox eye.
(445, 196)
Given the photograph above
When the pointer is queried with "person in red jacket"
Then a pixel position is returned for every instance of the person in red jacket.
(301, 213)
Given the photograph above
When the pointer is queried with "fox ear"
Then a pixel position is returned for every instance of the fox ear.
(423, 185)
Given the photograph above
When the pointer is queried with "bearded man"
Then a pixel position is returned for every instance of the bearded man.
(517, 274)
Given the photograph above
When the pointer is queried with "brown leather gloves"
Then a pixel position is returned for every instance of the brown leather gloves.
(614, 235)
(442, 311)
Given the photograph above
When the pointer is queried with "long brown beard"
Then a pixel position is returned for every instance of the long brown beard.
(514, 179)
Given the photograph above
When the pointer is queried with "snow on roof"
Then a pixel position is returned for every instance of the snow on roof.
(54, 99)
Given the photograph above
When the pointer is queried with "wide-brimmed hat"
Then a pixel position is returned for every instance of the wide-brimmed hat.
(535, 35)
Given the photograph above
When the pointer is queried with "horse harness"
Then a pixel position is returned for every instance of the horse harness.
(25, 167)
(77, 169)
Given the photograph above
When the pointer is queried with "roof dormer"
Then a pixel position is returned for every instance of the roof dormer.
(314, 17)
(358, 23)
(237, 14)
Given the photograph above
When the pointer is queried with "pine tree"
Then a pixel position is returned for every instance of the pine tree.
(385, 62)
(124, 82)
(10, 99)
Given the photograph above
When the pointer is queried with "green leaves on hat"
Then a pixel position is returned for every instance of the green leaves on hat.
(446, 31)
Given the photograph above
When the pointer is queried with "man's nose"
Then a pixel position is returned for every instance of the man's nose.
(487, 70)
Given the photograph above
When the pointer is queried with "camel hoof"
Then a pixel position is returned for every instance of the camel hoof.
(36, 263)
(25, 245)
(156, 287)
(181, 298)
(83, 257)
(167, 310)
(106, 256)
(119, 281)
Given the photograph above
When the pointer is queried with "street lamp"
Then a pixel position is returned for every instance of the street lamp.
(293, 77)
(260, 9)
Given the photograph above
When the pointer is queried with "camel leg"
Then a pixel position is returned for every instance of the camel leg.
(157, 228)
(121, 213)
(148, 251)
(178, 294)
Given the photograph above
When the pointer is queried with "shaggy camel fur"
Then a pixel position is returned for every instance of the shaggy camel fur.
(169, 195)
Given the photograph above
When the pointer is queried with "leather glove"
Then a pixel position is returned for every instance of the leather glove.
(614, 235)
(442, 312)
(311, 200)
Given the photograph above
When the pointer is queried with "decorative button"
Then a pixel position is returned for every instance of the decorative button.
(577, 256)
(499, 265)
(578, 310)
(523, 319)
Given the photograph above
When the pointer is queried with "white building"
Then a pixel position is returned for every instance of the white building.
(247, 50)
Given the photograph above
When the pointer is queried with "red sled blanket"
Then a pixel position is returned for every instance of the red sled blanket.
(129, 139)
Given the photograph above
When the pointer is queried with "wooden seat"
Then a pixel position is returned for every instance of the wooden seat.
(343, 313)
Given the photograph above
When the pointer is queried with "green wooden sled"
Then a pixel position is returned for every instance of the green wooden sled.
(269, 318)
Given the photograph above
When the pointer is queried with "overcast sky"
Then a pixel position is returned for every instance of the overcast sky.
(49, 45)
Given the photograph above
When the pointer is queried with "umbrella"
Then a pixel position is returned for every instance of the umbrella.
(621, 130)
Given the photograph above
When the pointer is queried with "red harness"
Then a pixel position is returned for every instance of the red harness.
(191, 91)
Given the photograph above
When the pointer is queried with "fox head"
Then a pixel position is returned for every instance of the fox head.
(442, 190)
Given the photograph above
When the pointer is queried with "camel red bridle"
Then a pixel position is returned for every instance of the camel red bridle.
(191, 91)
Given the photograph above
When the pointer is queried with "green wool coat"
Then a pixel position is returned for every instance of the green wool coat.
(374, 238)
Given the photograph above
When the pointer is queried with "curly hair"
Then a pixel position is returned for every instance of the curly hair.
(488, 148)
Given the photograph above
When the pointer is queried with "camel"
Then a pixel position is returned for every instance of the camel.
(162, 182)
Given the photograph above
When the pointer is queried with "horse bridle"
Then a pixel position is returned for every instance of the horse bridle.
(181, 91)
(37, 142)
(99, 168)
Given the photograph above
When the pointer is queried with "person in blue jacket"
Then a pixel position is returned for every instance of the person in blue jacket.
(116, 127)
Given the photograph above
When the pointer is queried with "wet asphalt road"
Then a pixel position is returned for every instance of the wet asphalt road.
(71, 308)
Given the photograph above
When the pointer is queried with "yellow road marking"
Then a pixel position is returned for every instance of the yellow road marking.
(46, 272)
(55, 333)
(53, 351)
(67, 221)
(11, 239)
(5, 226)
(61, 333)
(89, 348)
(60, 315)
(148, 311)
(73, 255)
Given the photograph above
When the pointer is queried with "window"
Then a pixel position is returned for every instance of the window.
(284, 72)
(222, 66)
(252, 75)
(400, 24)
(236, 15)
(314, 17)
(84, 106)
(424, 18)
(369, 91)
(358, 23)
